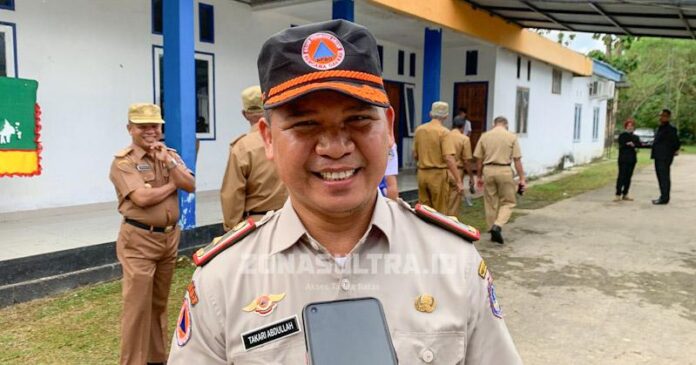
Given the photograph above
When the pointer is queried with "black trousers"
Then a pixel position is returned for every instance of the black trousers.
(662, 168)
(623, 182)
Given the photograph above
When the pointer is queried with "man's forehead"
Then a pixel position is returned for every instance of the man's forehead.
(314, 103)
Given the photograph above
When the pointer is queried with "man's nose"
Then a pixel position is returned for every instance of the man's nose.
(335, 144)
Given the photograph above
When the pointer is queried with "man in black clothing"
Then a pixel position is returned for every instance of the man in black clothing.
(628, 142)
(665, 146)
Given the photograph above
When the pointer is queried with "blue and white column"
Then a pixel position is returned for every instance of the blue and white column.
(432, 61)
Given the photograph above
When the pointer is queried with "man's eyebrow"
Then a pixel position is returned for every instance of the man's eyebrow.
(300, 112)
(360, 108)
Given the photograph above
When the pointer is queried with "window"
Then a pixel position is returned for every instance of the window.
(556, 81)
(412, 65)
(595, 123)
(529, 70)
(401, 62)
(521, 110)
(410, 109)
(519, 64)
(205, 90)
(578, 123)
(471, 63)
(8, 48)
(157, 16)
(206, 23)
(380, 50)
(7, 4)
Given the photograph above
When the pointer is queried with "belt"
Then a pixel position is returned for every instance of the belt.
(496, 164)
(251, 212)
(135, 223)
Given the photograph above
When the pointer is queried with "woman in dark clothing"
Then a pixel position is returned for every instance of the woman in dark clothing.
(628, 143)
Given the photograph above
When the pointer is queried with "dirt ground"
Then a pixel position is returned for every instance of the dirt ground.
(590, 281)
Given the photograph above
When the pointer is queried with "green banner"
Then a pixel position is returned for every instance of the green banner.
(17, 123)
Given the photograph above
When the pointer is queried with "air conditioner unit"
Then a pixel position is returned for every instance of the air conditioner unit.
(601, 89)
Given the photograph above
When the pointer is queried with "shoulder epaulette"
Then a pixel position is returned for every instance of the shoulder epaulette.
(171, 149)
(204, 254)
(447, 222)
(124, 152)
(237, 139)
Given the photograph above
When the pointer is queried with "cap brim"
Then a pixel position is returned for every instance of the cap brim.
(146, 121)
(363, 92)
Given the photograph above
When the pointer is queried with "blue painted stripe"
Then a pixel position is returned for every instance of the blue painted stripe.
(343, 9)
(432, 60)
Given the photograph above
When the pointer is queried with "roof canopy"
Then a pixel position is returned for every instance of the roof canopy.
(656, 18)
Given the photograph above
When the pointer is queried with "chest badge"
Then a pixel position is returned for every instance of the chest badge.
(425, 303)
(143, 167)
(264, 304)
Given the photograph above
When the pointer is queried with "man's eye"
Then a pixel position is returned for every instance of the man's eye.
(360, 118)
(304, 124)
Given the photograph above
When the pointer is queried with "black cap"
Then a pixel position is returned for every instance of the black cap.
(334, 55)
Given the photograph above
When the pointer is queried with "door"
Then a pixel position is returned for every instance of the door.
(394, 92)
(474, 97)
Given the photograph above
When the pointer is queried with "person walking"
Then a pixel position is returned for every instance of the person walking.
(665, 146)
(434, 153)
(146, 176)
(628, 146)
(462, 156)
(251, 186)
(495, 152)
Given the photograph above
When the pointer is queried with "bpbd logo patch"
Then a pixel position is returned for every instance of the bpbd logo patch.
(323, 51)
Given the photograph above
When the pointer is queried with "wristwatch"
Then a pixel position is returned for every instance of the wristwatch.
(172, 164)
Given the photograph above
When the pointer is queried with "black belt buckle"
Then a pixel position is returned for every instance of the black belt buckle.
(148, 227)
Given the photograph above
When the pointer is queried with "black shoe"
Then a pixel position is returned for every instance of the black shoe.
(660, 202)
(496, 234)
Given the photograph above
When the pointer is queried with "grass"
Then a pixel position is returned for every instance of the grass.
(690, 149)
(82, 326)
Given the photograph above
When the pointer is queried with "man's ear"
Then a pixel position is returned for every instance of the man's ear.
(128, 128)
(389, 113)
(265, 129)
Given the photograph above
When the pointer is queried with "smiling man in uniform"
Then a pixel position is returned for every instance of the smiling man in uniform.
(328, 128)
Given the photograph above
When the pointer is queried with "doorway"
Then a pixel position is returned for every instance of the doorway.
(474, 97)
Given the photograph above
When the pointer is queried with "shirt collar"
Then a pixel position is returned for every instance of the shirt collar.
(290, 229)
(138, 151)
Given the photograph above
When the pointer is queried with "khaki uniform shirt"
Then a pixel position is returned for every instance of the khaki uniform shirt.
(251, 183)
(431, 146)
(400, 258)
(462, 147)
(133, 168)
(498, 147)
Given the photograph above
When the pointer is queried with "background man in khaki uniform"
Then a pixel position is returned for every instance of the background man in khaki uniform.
(496, 150)
(251, 186)
(430, 149)
(329, 136)
(462, 157)
(146, 176)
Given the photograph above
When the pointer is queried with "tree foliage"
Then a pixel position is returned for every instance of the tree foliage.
(661, 73)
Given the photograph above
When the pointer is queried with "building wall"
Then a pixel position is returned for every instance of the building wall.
(94, 58)
(549, 134)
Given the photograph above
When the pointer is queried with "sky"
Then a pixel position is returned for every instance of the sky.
(582, 43)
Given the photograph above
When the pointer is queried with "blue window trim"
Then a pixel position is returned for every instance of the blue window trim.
(14, 46)
(152, 18)
(11, 6)
(154, 87)
(205, 8)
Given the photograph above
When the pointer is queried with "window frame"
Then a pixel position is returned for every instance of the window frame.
(153, 12)
(380, 51)
(158, 51)
(401, 59)
(202, 6)
(412, 64)
(556, 75)
(577, 124)
(409, 114)
(595, 123)
(525, 124)
(519, 65)
(471, 67)
(11, 62)
(10, 7)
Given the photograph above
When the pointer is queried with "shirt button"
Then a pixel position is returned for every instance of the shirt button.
(345, 284)
(427, 356)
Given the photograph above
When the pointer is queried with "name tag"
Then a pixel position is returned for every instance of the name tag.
(273, 332)
(143, 167)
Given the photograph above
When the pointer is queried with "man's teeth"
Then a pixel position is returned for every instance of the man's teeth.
(336, 176)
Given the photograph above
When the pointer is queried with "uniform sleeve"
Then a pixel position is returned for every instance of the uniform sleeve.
(676, 145)
(488, 339)
(181, 161)
(233, 190)
(448, 145)
(466, 150)
(198, 334)
(516, 152)
(125, 177)
(478, 151)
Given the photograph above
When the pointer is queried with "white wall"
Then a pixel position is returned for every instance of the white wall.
(551, 116)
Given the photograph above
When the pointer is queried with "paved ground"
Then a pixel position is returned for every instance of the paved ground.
(589, 281)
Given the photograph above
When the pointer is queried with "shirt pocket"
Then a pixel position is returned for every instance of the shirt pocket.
(444, 348)
(148, 176)
(287, 352)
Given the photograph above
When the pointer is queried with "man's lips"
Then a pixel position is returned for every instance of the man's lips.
(337, 175)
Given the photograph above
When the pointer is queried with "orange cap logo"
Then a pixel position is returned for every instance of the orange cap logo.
(264, 304)
(323, 51)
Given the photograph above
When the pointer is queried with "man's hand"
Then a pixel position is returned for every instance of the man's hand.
(160, 151)
(479, 183)
(460, 186)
